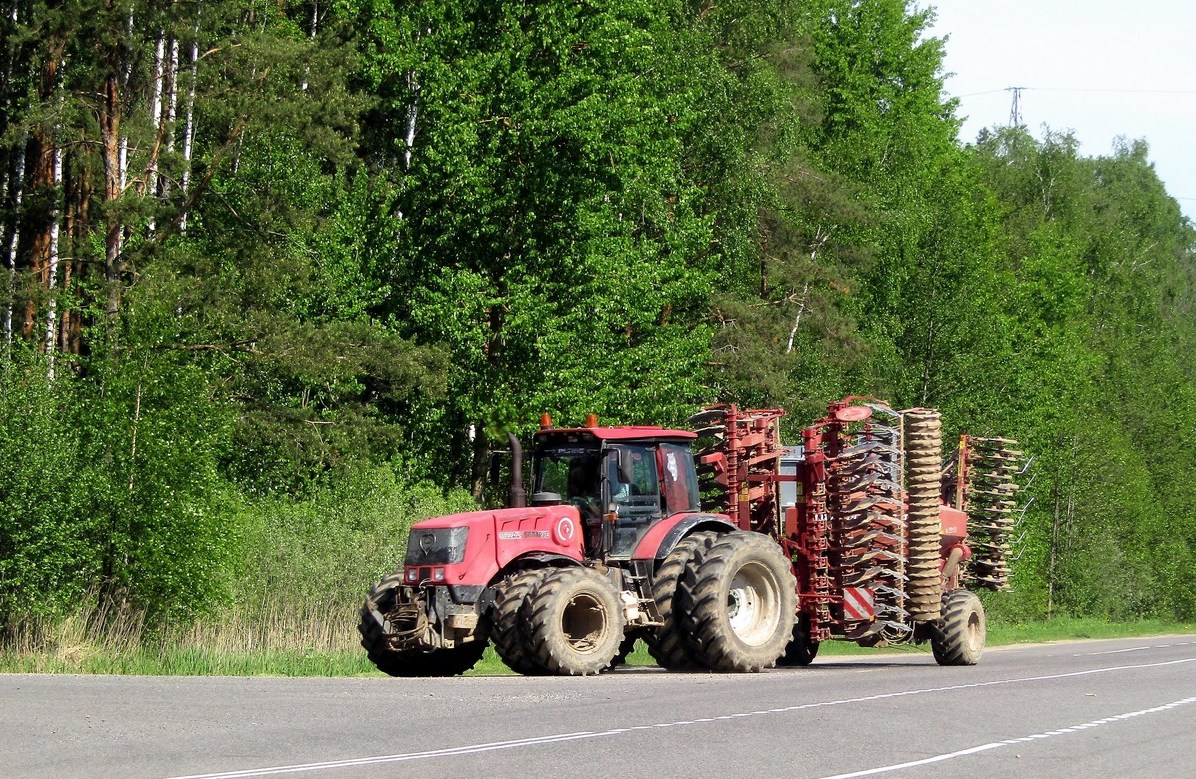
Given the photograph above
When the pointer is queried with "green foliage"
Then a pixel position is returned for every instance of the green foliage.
(281, 290)
(408, 229)
(47, 554)
(295, 556)
(551, 236)
(112, 485)
(151, 443)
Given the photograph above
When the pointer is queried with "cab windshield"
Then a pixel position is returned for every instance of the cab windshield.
(569, 471)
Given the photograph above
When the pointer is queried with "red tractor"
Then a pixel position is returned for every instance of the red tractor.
(804, 544)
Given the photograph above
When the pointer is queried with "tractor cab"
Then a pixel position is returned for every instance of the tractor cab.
(621, 479)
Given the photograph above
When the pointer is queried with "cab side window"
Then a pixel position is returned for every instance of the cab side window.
(638, 485)
(680, 479)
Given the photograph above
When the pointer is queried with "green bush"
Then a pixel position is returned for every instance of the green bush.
(303, 562)
(47, 551)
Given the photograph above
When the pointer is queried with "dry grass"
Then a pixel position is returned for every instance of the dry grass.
(288, 639)
(283, 639)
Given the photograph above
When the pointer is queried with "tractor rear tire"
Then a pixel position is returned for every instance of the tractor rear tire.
(738, 602)
(412, 662)
(801, 650)
(960, 635)
(668, 644)
(574, 622)
(506, 629)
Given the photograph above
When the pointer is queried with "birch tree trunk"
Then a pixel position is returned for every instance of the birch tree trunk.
(14, 186)
(110, 120)
(189, 124)
(412, 117)
(51, 282)
(128, 74)
(172, 104)
(151, 165)
(311, 35)
(14, 239)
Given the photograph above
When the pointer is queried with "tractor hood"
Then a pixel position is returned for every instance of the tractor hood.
(472, 547)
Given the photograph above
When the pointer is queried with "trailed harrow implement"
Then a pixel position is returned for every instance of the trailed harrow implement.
(881, 533)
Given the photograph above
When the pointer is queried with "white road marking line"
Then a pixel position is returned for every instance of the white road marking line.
(465, 750)
(1011, 741)
(534, 741)
(1133, 649)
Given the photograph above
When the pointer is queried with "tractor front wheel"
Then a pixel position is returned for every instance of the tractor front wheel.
(738, 600)
(960, 635)
(411, 662)
(574, 622)
(504, 626)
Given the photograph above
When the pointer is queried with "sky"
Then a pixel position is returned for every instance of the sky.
(1099, 68)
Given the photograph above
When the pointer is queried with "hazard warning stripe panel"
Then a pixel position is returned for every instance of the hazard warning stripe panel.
(858, 604)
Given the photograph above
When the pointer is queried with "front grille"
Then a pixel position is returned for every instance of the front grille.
(436, 546)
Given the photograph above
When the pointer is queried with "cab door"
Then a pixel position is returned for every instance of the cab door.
(632, 495)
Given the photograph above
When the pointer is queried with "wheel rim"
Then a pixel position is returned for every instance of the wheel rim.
(753, 604)
(975, 632)
(584, 623)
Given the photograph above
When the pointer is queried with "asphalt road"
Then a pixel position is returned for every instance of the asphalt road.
(1124, 708)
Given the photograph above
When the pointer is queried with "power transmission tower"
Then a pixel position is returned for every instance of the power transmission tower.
(1015, 107)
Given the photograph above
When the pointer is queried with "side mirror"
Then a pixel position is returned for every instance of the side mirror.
(626, 469)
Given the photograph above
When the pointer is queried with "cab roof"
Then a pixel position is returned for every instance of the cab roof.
(622, 433)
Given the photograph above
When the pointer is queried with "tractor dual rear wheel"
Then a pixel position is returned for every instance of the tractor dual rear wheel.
(961, 632)
(573, 621)
(668, 644)
(738, 602)
(412, 662)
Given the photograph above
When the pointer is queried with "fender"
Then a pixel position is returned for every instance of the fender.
(666, 534)
(542, 559)
(484, 596)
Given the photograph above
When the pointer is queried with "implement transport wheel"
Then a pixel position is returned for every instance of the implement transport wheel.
(738, 603)
(960, 637)
(411, 662)
(625, 648)
(801, 650)
(574, 622)
(667, 644)
(507, 631)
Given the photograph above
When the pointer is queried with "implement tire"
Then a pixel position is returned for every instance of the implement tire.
(961, 633)
(668, 644)
(574, 622)
(801, 650)
(625, 649)
(738, 602)
(412, 662)
(506, 629)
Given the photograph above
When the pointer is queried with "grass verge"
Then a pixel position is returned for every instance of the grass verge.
(204, 652)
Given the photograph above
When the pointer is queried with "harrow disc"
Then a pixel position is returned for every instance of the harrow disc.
(990, 498)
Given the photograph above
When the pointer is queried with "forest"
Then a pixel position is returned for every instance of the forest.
(279, 277)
